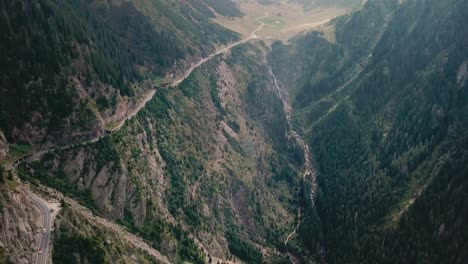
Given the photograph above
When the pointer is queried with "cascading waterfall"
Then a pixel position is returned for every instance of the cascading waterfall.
(309, 172)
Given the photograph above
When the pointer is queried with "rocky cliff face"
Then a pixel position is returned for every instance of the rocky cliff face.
(19, 226)
(101, 56)
(77, 236)
(100, 171)
(79, 239)
(209, 161)
(3, 145)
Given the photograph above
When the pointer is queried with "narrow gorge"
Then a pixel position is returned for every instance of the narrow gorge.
(223, 131)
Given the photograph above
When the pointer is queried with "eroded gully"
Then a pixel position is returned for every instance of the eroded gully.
(309, 173)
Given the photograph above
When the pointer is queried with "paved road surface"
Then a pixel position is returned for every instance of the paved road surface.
(45, 211)
(148, 97)
(42, 205)
(46, 223)
(202, 61)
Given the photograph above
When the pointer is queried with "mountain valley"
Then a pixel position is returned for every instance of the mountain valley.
(252, 131)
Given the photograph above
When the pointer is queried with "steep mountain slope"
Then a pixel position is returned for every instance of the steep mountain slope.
(18, 222)
(71, 67)
(78, 240)
(210, 171)
(384, 106)
(225, 8)
(314, 3)
(315, 64)
(205, 169)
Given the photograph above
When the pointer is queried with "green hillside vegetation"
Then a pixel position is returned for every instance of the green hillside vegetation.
(314, 3)
(225, 8)
(76, 240)
(391, 145)
(3, 257)
(201, 8)
(210, 169)
(252, 164)
(62, 59)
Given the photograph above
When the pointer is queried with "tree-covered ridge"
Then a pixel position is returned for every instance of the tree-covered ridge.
(389, 141)
(309, 4)
(210, 160)
(225, 8)
(62, 61)
(79, 240)
(315, 64)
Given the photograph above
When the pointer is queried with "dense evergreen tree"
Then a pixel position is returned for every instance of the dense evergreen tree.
(52, 50)
(385, 110)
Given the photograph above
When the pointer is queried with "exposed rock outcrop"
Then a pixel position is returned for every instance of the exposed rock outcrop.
(19, 225)
(3, 145)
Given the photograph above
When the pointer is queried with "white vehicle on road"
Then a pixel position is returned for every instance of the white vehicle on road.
(43, 230)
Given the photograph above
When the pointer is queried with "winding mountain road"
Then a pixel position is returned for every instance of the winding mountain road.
(223, 50)
(43, 247)
(143, 102)
(42, 258)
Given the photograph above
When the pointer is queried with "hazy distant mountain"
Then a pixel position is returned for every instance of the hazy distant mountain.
(312, 3)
